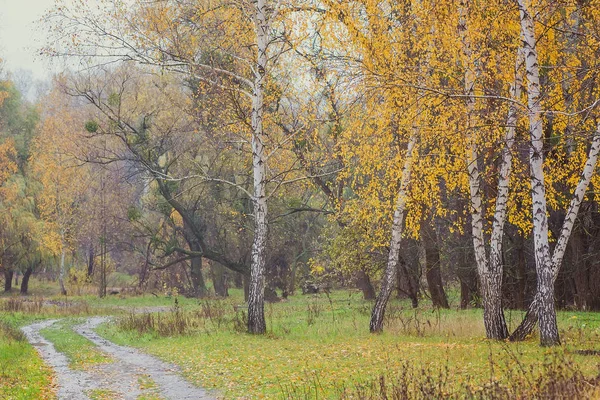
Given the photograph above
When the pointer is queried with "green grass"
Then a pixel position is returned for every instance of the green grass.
(23, 375)
(321, 344)
(102, 394)
(80, 351)
(149, 387)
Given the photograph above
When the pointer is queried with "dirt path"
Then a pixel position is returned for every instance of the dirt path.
(131, 374)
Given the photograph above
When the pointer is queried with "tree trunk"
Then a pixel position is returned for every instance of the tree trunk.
(389, 277)
(547, 268)
(490, 270)
(246, 284)
(465, 294)
(238, 280)
(491, 276)
(8, 276)
(407, 284)
(198, 283)
(364, 284)
(62, 273)
(25, 280)
(219, 278)
(145, 266)
(256, 301)
(90, 262)
(545, 284)
(433, 272)
(580, 271)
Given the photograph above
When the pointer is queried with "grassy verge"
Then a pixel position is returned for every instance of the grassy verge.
(80, 351)
(23, 375)
(319, 346)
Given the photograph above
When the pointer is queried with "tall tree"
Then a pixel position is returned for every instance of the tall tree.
(547, 264)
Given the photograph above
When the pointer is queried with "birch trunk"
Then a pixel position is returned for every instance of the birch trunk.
(489, 271)
(491, 286)
(531, 316)
(546, 312)
(256, 312)
(389, 277)
(542, 307)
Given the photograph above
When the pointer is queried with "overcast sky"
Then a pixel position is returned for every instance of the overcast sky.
(20, 36)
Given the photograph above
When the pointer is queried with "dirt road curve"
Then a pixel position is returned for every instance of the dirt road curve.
(121, 377)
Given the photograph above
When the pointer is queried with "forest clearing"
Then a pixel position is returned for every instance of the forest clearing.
(356, 199)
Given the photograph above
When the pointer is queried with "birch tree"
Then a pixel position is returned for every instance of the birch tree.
(195, 51)
(489, 267)
(548, 263)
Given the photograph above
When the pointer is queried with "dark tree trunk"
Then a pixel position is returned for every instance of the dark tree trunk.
(578, 248)
(433, 272)
(90, 262)
(198, 283)
(407, 285)
(465, 294)
(467, 276)
(8, 277)
(521, 277)
(25, 280)
(219, 278)
(364, 283)
(145, 266)
(238, 280)
(246, 280)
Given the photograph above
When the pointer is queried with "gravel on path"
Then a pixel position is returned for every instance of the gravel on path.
(123, 376)
(72, 384)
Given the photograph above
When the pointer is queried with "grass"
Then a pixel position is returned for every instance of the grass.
(23, 375)
(102, 394)
(81, 353)
(319, 346)
(149, 387)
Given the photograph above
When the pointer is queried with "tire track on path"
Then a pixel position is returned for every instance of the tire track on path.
(72, 384)
(122, 376)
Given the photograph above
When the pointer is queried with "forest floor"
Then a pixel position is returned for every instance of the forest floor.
(317, 346)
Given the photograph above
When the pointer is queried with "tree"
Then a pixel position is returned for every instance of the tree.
(192, 53)
(55, 166)
(547, 264)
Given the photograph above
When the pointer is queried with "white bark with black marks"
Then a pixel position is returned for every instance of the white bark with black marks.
(389, 277)
(490, 269)
(530, 319)
(256, 312)
(546, 312)
(542, 307)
